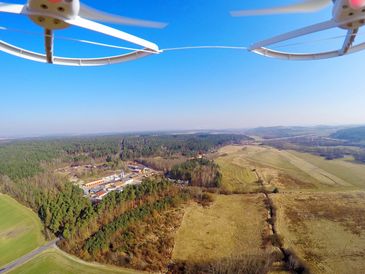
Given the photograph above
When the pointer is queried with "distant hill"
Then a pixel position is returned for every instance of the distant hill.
(356, 134)
(284, 132)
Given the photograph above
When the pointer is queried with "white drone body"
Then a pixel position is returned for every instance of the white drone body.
(346, 14)
(60, 14)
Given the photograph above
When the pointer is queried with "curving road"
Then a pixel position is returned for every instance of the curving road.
(28, 257)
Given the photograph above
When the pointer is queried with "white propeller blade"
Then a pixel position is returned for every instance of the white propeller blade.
(302, 7)
(93, 14)
(297, 33)
(12, 8)
(87, 24)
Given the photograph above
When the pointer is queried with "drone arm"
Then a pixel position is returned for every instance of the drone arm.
(294, 34)
(349, 40)
(12, 8)
(87, 24)
(48, 38)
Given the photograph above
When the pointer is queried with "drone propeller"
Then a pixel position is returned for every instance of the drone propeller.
(302, 7)
(12, 8)
(93, 14)
(82, 20)
(91, 25)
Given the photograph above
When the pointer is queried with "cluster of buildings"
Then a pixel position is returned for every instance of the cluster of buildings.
(97, 190)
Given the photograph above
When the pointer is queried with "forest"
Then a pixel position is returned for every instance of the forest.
(169, 145)
(103, 233)
(26, 158)
(198, 172)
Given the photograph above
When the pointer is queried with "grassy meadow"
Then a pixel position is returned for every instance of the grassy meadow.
(232, 225)
(56, 261)
(20, 230)
(327, 230)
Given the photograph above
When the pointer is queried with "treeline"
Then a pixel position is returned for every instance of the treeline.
(198, 172)
(135, 193)
(169, 145)
(60, 205)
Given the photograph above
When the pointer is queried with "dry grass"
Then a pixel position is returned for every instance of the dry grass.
(232, 225)
(286, 170)
(327, 230)
(352, 173)
(242, 166)
(320, 205)
(237, 175)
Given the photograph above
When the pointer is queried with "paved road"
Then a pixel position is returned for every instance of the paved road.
(27, 257)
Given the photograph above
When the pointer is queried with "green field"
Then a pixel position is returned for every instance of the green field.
(20, 230)
(57, 262)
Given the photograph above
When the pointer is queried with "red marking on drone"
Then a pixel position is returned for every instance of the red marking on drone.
(357, 3)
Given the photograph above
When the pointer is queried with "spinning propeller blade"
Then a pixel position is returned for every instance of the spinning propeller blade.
(93, 14)
(90, 25)
(12, 8)
(302, 7)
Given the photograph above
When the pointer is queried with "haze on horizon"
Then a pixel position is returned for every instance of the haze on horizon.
(201, 89)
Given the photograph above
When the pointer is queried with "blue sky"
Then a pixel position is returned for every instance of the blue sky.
(197, 89)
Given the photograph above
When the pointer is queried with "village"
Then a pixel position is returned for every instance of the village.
(96, 190)
(110, 179)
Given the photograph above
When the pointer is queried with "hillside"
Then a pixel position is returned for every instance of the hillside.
(356, 134)
(287, 132)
